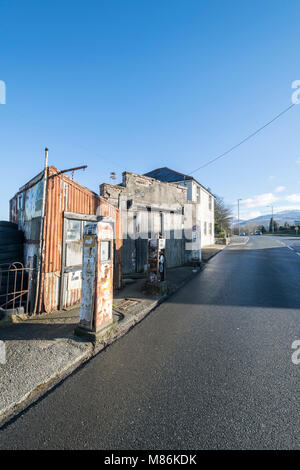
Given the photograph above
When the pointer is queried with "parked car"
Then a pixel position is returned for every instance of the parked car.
(242, 234)
(258, 232)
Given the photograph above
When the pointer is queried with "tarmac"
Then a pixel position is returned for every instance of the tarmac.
(41, 351)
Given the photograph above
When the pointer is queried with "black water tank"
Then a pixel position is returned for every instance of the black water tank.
(11, 243)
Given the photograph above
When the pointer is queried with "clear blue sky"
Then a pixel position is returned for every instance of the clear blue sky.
(136, 85)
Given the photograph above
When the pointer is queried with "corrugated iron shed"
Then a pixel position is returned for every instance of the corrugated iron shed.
(63, 196)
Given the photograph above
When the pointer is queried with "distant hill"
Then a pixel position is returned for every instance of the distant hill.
(280, 217)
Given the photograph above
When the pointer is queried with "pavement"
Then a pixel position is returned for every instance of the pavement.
(211, 250)
(210, 368)
(42, 351)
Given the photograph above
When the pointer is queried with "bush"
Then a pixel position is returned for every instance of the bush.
(221, 235)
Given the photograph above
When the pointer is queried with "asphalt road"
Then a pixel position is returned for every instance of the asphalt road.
(209, 369)
(291, 242)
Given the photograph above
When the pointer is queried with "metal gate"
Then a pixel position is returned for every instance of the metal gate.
(15, 287)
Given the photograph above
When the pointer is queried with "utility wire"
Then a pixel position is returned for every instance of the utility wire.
(209, 162)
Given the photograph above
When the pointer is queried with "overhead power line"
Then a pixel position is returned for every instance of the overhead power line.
(209, 162)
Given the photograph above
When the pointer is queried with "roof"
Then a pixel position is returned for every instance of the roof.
(52, 172)
(171, 176)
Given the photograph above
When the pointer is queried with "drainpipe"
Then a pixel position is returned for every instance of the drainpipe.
(39, 267)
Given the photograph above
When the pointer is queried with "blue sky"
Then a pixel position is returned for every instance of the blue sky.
(136, 85)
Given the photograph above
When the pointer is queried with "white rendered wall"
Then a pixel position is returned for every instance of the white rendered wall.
(205, 217)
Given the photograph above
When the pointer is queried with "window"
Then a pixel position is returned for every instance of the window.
(161, 223)
(74, 230)
(21, 202)
(39, 188)
(135, 223)
(205, 228)
(172, 227)
(73, 242)
(210, 229)
(149, 222)
(198, 194)
(210, 203)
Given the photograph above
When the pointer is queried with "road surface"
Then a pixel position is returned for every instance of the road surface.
(209, 369)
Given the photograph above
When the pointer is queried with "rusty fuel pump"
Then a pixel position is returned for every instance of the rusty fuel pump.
(96, 315)
(156, 279)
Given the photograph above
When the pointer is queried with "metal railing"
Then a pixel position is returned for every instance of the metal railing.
(15, 283)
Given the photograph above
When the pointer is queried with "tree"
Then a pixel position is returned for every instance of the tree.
(261, 228)
(223, 216)
(274, 226)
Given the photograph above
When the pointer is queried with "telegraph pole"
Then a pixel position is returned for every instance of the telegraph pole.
(39, 261)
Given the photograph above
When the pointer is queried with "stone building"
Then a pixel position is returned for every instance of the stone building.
(149, 208)
(197, 194)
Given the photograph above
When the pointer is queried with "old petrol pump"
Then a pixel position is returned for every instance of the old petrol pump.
(156, 265)
(97, 278)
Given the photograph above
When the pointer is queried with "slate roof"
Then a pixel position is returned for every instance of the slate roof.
(171, 176)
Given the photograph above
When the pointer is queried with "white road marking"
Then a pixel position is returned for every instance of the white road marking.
(289, 247)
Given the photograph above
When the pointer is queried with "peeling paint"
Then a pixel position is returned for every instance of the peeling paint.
(97, 276)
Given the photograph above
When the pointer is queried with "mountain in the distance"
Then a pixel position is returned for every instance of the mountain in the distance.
(280, 217)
